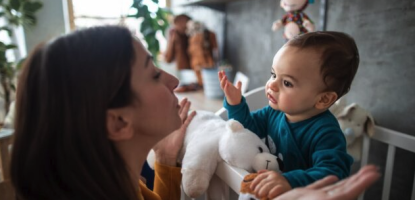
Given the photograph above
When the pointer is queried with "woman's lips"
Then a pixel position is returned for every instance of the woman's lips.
(270, 98)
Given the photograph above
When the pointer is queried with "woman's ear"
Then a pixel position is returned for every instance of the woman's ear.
(325, 100)
(118, 125)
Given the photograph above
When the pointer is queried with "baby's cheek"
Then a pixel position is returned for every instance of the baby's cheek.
(287, 102)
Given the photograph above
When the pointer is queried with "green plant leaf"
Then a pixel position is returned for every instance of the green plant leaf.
(11, 46)
(2, 46)
(31, 7)
(7, 29)
(15, 4)
(28, 20)
(13, 86)
(151, 24)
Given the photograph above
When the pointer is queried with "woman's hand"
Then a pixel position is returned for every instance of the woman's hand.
(233, 94)
(168, 149)
(325, 189)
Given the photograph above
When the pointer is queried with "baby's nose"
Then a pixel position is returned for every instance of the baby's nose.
(274, 86)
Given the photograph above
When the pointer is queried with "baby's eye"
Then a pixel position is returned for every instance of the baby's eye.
(273, 75)
(260, 149)
(287, 84)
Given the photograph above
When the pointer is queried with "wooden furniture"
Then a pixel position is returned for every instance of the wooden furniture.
(6, 190)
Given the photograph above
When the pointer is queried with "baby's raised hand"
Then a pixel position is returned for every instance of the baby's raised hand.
(233, 94)
(269, 184)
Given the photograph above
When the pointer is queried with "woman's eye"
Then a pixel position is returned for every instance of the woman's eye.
(157, 75)
(287, 84)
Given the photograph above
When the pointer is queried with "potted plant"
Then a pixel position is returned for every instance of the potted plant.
(153, 21)
(16, 13)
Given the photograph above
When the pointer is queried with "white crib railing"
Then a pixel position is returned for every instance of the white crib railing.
(393, 139)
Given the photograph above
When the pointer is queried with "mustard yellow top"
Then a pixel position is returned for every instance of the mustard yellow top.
(166, 184)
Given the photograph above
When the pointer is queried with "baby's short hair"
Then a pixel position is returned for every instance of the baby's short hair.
(339, 57)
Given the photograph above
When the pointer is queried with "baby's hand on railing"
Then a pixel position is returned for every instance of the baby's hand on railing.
(270, 184)
(233, 94)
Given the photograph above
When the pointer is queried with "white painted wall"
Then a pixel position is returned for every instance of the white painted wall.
(52, 21)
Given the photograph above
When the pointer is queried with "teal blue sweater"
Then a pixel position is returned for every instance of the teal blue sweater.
(310, 149)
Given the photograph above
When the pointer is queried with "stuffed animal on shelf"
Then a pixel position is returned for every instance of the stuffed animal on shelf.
(210, 140)
(355, 122)
(203, 48)
(295, 21)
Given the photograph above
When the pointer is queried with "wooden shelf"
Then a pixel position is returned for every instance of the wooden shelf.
(207, 2)
(213, 4)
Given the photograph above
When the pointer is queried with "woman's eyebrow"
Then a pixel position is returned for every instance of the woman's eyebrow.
(148, 58)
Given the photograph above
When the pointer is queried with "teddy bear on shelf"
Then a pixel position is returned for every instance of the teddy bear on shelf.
(203, 48)
(210, 140)
(295, 21)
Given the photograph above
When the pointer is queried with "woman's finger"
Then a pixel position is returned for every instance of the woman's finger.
(353, 189)
(275, 191)
(352, 179)
(182, 103)
(185, 111)
(328, 180)
(189, 119)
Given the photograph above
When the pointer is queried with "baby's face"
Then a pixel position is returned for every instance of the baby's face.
(292, 5)
(296, 82)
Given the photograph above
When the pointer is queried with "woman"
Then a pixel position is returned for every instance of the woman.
(90, 106)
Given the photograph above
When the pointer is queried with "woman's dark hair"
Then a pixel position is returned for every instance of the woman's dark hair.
(61, 149)
(339, 57)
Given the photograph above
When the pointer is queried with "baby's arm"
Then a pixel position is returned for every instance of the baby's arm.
(233, 94)
(328, 157)
(269, 184)
(256, 121)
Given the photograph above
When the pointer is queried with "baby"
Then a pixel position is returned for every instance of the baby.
(309, 73)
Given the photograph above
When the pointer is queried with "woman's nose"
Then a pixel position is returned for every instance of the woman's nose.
(171, 81)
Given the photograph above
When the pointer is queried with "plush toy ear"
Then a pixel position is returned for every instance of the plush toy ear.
(234, 126)
(347, 110)
(370, 125)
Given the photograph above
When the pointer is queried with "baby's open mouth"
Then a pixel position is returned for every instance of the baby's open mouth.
(270, 98)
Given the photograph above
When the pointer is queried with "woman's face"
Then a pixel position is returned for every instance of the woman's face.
(155, 107)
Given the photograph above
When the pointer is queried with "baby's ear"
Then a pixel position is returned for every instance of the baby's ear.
(325, 100)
